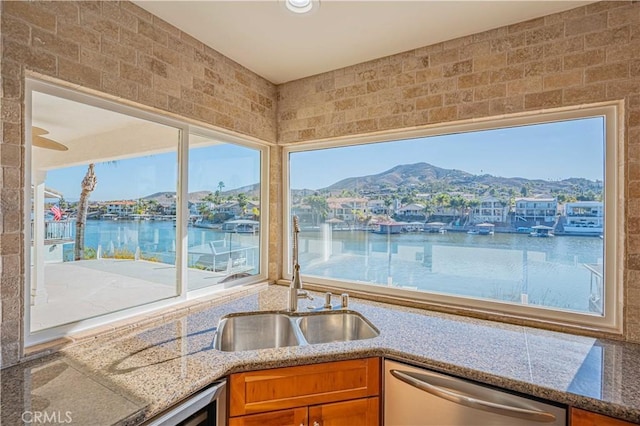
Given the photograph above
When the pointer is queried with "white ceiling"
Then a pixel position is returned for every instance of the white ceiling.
(282, 46)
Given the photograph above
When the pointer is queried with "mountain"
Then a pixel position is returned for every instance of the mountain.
(168, 196)
(402, 175)
(425, 177)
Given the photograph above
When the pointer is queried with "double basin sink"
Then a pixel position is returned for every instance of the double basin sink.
(263, 330)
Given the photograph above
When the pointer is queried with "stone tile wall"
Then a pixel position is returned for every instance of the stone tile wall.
(585, 55)
(119, 50)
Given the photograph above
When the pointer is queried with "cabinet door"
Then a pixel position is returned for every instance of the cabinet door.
(293, 417)
(282, 388)
(587, 418)
(359, 412)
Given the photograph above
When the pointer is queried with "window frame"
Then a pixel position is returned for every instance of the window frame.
(614, 196)
(185, 128)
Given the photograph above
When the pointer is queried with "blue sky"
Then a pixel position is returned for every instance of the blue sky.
(134, 178)
(549, 151)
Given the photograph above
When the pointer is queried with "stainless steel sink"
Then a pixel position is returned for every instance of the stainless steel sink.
(263, 330)
(255, 331)
(336, 327)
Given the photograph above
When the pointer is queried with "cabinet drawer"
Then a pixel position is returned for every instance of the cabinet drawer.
(292, 417)
(281, 388)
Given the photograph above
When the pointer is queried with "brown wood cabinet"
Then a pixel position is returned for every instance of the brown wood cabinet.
(329, 394)
(359, 412)
(587, 418)
(292, 417)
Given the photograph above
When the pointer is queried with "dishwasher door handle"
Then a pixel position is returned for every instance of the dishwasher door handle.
(420, 381)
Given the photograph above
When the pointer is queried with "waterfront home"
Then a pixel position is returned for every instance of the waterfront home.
(413, 209)
(233, 208)
(584, 217)
(490, 209)
(378, 207)
(348, 209)
(120, 208)
(536, 210)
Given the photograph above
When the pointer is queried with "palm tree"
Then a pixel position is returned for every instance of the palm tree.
(472, 206)
(319, 207)
(428, 209)
(242, 202)
(443, 200)
(88, 185)
(205, 212)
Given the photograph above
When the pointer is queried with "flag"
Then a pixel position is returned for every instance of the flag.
(57, 213)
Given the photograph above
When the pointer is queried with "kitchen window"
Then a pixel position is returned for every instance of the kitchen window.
(129, 212)
(484, 216)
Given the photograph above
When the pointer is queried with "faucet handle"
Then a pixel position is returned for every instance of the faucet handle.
(327, 300)
(304, 294)
(344, 299)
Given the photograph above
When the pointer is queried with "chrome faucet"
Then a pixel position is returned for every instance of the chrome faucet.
(295, 287)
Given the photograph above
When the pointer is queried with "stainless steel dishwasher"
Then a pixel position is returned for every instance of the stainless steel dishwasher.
(418, 397)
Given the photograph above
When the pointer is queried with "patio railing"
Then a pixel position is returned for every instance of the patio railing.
(57, 230)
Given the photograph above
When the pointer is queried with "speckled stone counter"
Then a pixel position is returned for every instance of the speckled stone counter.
(126, 377)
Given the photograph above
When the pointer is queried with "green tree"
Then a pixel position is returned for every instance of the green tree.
(242, 202)
(319, 207)
(428, 208)
(443, 200)
(407, 199)
(457, 203)
(473, 205)
(205, 211)
(141, 206)
(62, 203)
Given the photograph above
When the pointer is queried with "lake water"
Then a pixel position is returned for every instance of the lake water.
(549, 271)
(155, 239)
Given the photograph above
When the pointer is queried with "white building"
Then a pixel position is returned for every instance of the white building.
(347, 208)
(121, 208)
(378, 207)
(584, 217)
(490, 210)
(413, 209)
(536, 209)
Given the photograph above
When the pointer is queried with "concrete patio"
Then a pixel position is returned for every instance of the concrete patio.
(89, 288)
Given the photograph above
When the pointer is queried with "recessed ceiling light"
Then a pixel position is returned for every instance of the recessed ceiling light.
(301, 6)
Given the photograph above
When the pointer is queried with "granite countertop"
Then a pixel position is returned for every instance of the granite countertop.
(135, 374)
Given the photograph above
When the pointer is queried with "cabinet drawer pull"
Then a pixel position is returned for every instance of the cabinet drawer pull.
(315, 423)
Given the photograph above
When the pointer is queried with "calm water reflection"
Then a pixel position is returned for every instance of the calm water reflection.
(549, 271)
